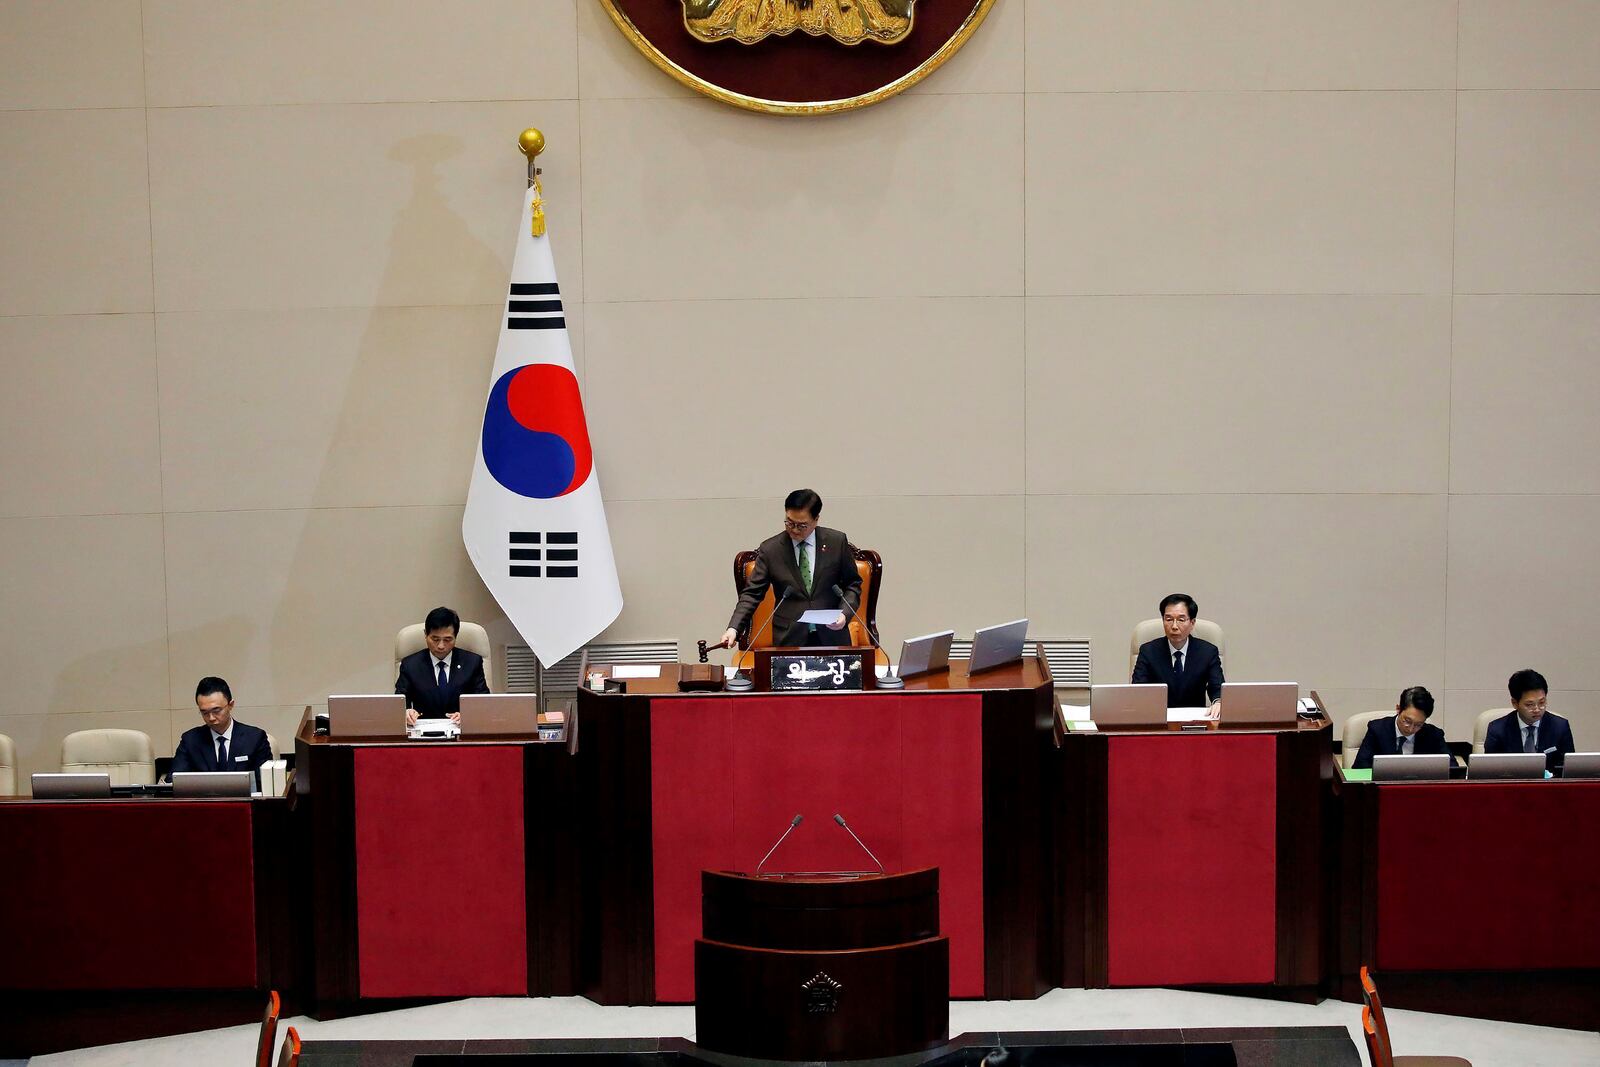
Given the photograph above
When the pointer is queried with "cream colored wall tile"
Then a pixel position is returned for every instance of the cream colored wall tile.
(1530, 44)
(945, 378)
(323, 408)
(290, 606)
(610, 67)
(91, 588)
(82, 53)
(1522, 574)
(1100, 45)
(1580, 707)
(693, 200)
(78, 429)
(302, 51)
(1238, 394)
(353, 205)
(75, 221)
(1342, 592)
(38, 737)
(990, 61)
(1524, 392)
(1527, 203)
(1239, 192)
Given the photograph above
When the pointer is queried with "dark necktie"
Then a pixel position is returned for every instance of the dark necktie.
(444, 678)
(1177, 663)
(805, 566)
(1532, 742)
(222, 753)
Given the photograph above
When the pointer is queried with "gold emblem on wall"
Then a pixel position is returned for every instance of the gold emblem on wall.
(752, 21)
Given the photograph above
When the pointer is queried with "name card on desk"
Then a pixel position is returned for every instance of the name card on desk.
(841, 672)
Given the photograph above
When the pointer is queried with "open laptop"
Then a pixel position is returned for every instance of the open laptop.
(1581, 765)
(70, 786)
(367, 715)
(995, 646)
(925, 654)
(1128, 705)
(1260, 703)
(213, 783)
(1432, 767)
(499, 713)
(1506, 765)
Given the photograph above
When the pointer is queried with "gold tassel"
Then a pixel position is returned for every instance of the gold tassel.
(537, 229)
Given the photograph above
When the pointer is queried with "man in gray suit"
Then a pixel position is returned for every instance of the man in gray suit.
(803, 565)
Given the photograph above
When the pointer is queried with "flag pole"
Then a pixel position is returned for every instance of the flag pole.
(531, 142)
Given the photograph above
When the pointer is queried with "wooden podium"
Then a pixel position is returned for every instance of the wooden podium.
(821, 968)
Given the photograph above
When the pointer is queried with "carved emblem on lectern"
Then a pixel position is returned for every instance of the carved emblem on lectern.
(822, 994)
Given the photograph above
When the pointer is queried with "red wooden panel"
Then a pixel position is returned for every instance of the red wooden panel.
(441, 880)
(1192, 882)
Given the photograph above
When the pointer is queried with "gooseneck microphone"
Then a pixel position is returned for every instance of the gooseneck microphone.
(890, 680)
(740, 682)
(796, 821)
(840, 820)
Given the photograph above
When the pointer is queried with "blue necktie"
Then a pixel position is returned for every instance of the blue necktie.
(444, 679)
(222, 753)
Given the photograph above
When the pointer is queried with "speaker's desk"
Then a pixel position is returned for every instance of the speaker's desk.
(1473, 898)
(1196, 857)
(129, 918)
(948, 773)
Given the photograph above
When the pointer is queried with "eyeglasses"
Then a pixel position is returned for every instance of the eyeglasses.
(790, 524)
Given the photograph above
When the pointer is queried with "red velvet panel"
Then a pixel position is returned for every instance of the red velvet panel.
(127, 895)
(1488, 876)
(441, 880)
(728, 775)
(1193, 859)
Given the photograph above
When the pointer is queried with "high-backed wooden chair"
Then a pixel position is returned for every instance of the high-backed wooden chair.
(868, 564)
(472, 637)
(1150, 629)
(1377, 1033)
(268, 1038)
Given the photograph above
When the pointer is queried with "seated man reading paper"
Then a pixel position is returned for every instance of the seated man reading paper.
(433, 680)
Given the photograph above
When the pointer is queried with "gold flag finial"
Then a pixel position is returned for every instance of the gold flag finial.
(531, 142)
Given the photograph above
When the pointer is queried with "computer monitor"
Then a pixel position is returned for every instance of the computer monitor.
(1506, 765)
(367, 715)
(213, 783)
(1263, 703)
(995, 646)
(925, 654)
(499, 714)
(1128, 705)
(70, 786)
(1432, 767)
(1581, 765)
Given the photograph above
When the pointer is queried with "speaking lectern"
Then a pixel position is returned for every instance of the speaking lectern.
(821, 968)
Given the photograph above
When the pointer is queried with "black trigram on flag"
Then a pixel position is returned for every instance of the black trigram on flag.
(535, 306)
(535, 554)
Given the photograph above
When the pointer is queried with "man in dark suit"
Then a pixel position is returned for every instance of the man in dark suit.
(1531, 726)
(221, 742)
(433, 680)
(803, 564)
(1190, 668)
(1405, 733)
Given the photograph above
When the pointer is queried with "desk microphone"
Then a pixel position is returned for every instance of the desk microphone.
(796, 821)
(840, 820)
(890, 680)
(740, 683)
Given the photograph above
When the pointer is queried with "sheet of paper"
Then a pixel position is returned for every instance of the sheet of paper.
(634, 670)
(1188, 714)
(1075, 713)
(820, 616)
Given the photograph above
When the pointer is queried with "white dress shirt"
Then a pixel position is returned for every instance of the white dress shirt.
(436, 662)
(226, 734)
(1403, 744)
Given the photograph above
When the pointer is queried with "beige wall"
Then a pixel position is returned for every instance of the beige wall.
(1292, 305)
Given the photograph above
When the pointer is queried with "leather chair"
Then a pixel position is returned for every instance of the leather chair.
(290, 1056)
(8, 767)
(1376, 1029)
(1355, 730)
(471, 637)
(126, 755)
(868, 564)
(1150, 629)
(1480, 729)
(268, 1037)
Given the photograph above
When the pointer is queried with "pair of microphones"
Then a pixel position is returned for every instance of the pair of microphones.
(796, 821)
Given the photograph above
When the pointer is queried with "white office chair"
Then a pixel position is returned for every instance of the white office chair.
(1480, 729)
(471, 637)
(1355, 730)
(126, 755)
(8, 767)
(1150, 629)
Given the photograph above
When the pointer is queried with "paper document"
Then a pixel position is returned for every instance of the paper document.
(430, 730)
(1188, 714)
(634, 670)
(1073, 713)
(820, 616)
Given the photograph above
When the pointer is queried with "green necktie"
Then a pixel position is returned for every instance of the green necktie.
(805, 567)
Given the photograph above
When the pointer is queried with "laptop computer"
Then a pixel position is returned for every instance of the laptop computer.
(925, 654)
(1581, 765)
(213, 783)
(995, 646)
(1264, 703)
(499, 713)
(1506, 765)
(367, 715)
(55, 785)
(1417, 767)
(1128, 705)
